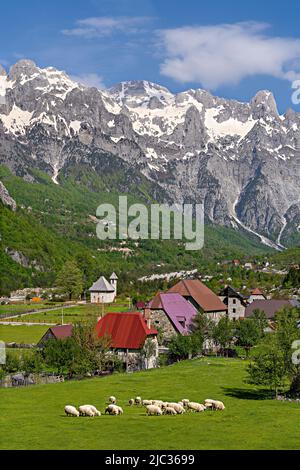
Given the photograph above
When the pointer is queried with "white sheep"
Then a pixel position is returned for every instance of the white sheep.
(158, 403)
(120, 410)
(131, 402)
(154, 410)
(185, 401)
(138, 400)
(94, 409)
(218, 406)
(112, 400)
(71, 411)
(169, 410)
(178, 408)
(86, 410)
(112, 410)
(209, 402)
(197, 407)
(147, 402)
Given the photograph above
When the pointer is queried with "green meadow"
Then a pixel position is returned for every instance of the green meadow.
(33, 417)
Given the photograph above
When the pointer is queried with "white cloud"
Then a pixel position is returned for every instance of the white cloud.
(90, 80)
(225, 54)
(106, 26)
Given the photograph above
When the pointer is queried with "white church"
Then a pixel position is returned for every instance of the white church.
(104, 292)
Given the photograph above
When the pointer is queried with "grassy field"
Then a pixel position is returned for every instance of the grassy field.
(33, 418)
(72, 314)
(24, 308)
(22, 333)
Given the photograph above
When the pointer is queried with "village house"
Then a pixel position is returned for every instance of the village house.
(104, 292)
(256, 294)
(201, 297)
(270, 307)
(236, 303)
(56, 332)
(172, 314)
(129, 333)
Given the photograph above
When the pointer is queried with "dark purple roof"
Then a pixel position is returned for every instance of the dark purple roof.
(270, 307)
(176, 308)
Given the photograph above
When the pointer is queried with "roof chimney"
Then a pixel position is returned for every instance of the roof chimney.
(147, 316)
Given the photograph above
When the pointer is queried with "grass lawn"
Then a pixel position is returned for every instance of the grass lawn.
(23, 308)
(33, 418)
(22, 333)
(73, 314)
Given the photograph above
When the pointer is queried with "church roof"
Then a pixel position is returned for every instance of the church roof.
(113, 277)
(102, 285)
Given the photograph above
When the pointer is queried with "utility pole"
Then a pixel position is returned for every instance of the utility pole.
(62, 316)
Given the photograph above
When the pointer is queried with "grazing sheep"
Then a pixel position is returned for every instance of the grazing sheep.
(209, 402)
(146, 402)
(169, 410)
(138, 400)
(185, 402)
(112, 400)
(131, 402)
(120, 410)
(112, 410)
(158, 403)
(153, 410)
(86, 410)
(71, 411)
(180, 403)
(94, 409)
(218, 406)
(197, 407)
(178, 408)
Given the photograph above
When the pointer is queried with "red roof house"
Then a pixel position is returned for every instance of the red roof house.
(56, 332)
(127, 330)
(199, 295)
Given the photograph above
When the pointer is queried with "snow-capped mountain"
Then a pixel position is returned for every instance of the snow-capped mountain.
(240, 159)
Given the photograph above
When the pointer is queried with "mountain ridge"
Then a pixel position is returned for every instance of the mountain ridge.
(240, 159)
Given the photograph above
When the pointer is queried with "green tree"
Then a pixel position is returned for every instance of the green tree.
(223, 332)
(70, 280)
(247, 334)
(179, 348)
(260, 318)
(203, 326)
(268, 367)
(148, 351)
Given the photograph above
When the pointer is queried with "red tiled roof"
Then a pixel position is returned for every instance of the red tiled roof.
(256, 292)
(202, 295)
(126, 330)
(61, 331)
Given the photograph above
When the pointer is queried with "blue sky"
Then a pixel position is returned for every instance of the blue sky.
(231, 47)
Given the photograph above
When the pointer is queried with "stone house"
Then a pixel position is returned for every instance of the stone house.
(256, 294)
(201, 297)
(130, 333)
(172, 314)
(236, 303)
(104, 292)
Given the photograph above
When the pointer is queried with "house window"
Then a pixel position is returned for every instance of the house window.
(234, 301)
(234, 310)
(156, 322)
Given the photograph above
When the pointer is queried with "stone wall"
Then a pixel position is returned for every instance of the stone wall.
(160, 320)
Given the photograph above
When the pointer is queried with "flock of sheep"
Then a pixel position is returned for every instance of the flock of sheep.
(153, 407)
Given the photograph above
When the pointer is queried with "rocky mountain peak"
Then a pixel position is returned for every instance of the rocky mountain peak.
(263, 103)
(23, 67)
(2, 71)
